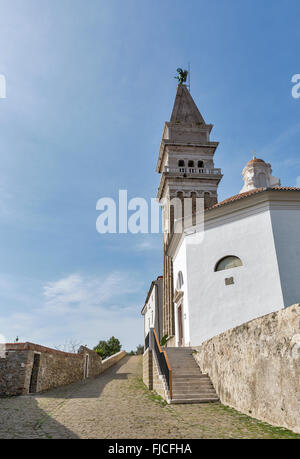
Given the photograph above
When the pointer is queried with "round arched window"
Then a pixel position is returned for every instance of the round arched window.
(228, 263)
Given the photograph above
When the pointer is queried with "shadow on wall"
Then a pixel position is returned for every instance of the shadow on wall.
(24, 417)
(31, 368)
(89, 388)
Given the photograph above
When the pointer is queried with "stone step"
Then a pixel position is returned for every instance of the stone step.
(196, 386)
(180, 355)
(190, 385)
(177, 349)
(184, 365)
(187, 376)
(185, 401)
(178, 365)
(184, 395)
(179, 352)
(194, 390)
(186, 373)
(183, 359)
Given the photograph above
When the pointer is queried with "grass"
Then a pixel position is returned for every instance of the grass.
(253, 424)
(244, 425)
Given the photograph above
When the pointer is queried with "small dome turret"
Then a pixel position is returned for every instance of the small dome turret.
(258, 174)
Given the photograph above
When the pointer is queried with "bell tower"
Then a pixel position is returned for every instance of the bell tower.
(186, 165)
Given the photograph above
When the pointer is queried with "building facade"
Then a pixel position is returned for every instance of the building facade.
(153, 308)
(245, 264)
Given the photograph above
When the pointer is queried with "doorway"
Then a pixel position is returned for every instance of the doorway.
(180, 326)
(34, 373)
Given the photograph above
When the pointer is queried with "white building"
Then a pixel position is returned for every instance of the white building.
(246, 266)
(247, 263)
(153, 307)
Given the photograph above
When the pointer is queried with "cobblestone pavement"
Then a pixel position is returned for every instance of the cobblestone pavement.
(117, 405)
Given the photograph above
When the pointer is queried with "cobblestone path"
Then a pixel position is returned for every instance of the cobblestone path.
(117, 405)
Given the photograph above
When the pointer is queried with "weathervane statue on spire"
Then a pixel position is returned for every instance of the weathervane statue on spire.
(182, 75)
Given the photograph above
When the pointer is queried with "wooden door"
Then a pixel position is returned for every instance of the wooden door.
(180, 326)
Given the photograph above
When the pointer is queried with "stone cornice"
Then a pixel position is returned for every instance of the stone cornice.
(216, 178)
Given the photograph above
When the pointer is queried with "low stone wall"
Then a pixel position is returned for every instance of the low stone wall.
(255, 368)
(112, 360)
(13, 372)
(55, 368)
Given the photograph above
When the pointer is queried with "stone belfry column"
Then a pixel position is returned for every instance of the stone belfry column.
(187, 169)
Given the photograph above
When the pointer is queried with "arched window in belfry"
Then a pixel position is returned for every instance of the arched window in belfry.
(181, 163)
(191, 163)
(228, 262)
(200, 164)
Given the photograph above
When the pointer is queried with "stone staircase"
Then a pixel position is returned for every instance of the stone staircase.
(189, 384)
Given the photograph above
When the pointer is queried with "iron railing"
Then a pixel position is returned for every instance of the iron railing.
(194, 170)
(163, 361)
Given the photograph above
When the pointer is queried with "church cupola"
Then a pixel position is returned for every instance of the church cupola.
(258, 174)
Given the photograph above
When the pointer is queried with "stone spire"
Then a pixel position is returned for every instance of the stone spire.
(187, 169)
(185, 109)
(258, 174)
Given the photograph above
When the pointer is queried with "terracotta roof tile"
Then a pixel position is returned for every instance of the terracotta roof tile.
(237, 197)
(255, 160)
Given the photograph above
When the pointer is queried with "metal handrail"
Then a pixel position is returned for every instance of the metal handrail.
(164, 363)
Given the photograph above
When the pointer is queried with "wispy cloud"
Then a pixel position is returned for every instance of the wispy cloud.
(149, 244)
(82, 307)
(298, 181)
(281, 140)
(77, 292)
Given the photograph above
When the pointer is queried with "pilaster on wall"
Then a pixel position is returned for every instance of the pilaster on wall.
(168, 315)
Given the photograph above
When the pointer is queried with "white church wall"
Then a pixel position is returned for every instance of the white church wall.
(149, 318)
(286, 229)
(214, 307)
(179, 264)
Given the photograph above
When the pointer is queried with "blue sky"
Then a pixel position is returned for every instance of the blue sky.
(89, 86)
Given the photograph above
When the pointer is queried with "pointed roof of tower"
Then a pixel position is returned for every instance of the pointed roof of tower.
(185, 110)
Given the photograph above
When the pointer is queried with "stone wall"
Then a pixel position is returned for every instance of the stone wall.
(94, 361)
(255, 368)
(148, 369)
(158, 382)
(112, 360)
(56, 368)
(13, 372)
(151, 377)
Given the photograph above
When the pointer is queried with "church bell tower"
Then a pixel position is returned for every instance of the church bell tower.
(186, 165)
